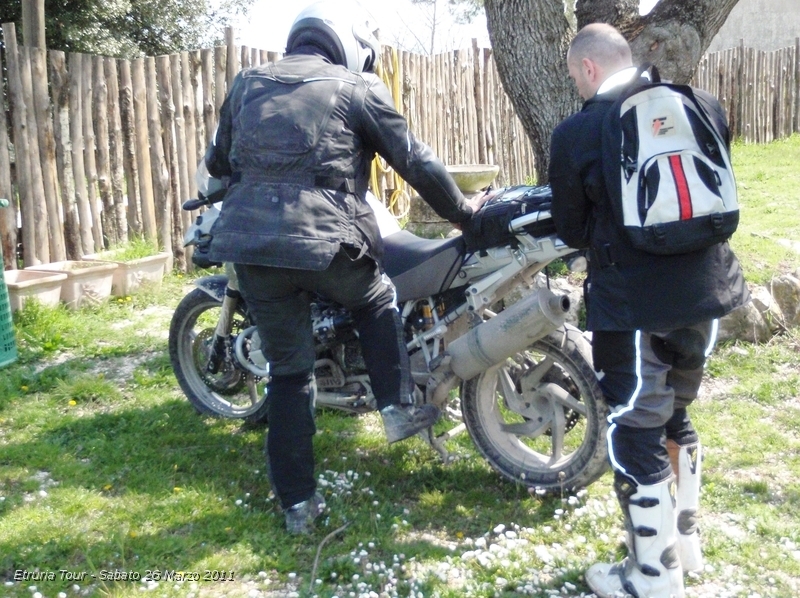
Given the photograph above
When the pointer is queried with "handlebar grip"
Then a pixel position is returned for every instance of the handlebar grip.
(193, 204)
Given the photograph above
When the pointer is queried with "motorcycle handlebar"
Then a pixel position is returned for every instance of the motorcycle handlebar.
(193, 204)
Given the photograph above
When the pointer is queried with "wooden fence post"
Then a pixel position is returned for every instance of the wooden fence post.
(39, 216)
(8, 216)
(22, 150)
(63, 143)
(181, 219)
(130, 160)
(188, 109)
(143, 151)
(100, 104)
(116, 145)
(76, 132)
(161, 178)
(44, 120)
(796, 127)
(209, 111)
(231, 64)
(197, 102)
(489, 95)
(220, 88)
(89, 151)
(478, 94)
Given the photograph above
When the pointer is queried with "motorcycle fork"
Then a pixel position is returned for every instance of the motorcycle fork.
(220, 346)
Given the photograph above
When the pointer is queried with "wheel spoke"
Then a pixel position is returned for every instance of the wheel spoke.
(513, 399)
(557, 432)
(529, 428)
(533, 377)
(562, 398)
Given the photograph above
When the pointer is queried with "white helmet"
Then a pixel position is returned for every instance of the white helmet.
(341, 28)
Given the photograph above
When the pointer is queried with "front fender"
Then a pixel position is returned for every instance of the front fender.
(214, 285)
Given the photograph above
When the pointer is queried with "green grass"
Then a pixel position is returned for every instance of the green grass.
(768, 179)
(105, 468)
(135, 248)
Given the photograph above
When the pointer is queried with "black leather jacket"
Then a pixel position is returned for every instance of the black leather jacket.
(297, 137)
(627, 289)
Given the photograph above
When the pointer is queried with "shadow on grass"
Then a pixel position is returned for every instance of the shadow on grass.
(161, 487)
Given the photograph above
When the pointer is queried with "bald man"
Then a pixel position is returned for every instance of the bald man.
(654, 322)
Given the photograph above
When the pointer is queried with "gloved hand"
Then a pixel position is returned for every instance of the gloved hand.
(477, 202)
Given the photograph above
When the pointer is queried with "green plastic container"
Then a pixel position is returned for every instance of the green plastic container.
(8, 343)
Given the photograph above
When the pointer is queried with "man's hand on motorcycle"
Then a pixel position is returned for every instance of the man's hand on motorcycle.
(477, 202)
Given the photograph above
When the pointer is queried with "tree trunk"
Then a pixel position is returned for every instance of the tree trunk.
(676, 34)
(530, 40)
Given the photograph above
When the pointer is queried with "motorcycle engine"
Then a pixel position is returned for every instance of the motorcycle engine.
(329, 321)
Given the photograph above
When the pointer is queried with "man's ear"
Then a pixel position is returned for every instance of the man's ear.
(589, 69)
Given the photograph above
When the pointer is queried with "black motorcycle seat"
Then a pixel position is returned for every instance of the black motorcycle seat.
(421, 267)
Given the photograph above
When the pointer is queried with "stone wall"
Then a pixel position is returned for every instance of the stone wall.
(762, 24)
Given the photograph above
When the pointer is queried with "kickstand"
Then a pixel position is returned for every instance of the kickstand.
(437, 442)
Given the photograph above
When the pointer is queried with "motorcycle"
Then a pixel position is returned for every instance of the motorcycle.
(518, 381)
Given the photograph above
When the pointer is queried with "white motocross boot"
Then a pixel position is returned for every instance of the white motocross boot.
(687, 464)
(652, 568)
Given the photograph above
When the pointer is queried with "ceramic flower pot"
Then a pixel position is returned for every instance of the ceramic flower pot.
(32, 284)
(87, 282)
(131, 274)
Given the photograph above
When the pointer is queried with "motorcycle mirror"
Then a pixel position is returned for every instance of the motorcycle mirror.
(193, 204)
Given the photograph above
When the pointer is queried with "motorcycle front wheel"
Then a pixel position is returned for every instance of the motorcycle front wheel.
(232, 391)
(539, 418)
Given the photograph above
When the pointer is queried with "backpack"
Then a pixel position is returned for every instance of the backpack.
(667, 169)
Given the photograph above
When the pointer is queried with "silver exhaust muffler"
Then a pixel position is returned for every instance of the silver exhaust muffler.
(512, 330)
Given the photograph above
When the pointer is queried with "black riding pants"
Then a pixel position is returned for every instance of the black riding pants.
(280, 301)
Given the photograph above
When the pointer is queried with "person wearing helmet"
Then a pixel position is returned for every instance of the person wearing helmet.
(297, 137)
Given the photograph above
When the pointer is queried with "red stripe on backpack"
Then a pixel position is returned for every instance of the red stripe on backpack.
(682, 187)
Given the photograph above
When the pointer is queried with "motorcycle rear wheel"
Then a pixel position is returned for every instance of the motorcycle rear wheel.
(232, 392)
(539, 418)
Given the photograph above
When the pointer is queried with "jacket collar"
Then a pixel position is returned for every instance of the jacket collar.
(610, 89)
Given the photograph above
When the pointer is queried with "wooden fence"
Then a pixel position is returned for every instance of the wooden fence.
(759, 90)
(94, 150)
(102, 149)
